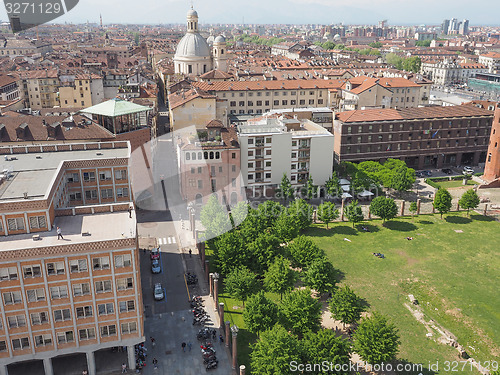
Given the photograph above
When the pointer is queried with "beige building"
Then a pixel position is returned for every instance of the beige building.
(250, 97)
(21, 47)
(81, 293)
(80, 90)
(40, 88)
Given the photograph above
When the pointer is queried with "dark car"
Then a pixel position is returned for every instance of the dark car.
(447, 170)
(427, 173)
(419, 174)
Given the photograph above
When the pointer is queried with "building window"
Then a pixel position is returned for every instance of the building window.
(268, 152)
(105, 175)
(108, 330)
(121, 174)
(84, 312)
(103, 286)
(121, 192)
(91, 194)
(15, 224)
(32, 271)
(78, 265)
(58, 292)
(73, 177)
(43, 340)
(126, 283)
(3, 346)
(81, 289)
(105, 309)
(16, 321)
(276, 102)
(129, 327)
(106, 193)
(10, 298)
(22, 343)
(311, 101)
(126, 306)
(123, 260)
(38, 222)
(86, 334)
(88, 176)
(64, 337)
(101, 263)
(76, 196)
(9, 273)
(39, 318)
(62, 315)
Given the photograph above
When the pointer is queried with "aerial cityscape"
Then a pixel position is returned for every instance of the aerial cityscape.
(289, 187)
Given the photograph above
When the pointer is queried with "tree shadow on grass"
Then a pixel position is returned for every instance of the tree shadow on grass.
(458, 220)
(369, 227)
(476, 217)
(344, 229)
(426, 222)
(401, 226)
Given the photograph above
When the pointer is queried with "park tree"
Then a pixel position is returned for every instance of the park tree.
(375, 45)
(285, 190)
(376, 340)
(353, 212)
(320, 275)
(310, 190)
(239, 213)
(254, 224)
(260, 313)
(325, 346)
(274, 351)
(302, 211)
(269, 211)
(413, 208)
(332, 186)
(230, 252)
(412, 64)
(241, 283)
(469, 200)
(327, 213)
(402, 178)
(279, 278)
(384, 207)
(303, 251)
(328, 45)
(214, 218)
(442, 201)
(395, 60)
(300, 312)
(286, 227)
(346, 306)
(262, 251)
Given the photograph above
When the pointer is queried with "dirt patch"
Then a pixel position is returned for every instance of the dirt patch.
(411, 261)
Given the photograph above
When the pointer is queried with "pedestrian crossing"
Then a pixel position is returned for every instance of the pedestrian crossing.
(167, 240)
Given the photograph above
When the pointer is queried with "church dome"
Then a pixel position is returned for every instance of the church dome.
(192, 13)
(220, 39)
(191, 45)
(210, 40)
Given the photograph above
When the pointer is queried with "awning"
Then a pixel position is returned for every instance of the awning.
(365, 193)
(345, 187)
(343, 181)
(346, 195)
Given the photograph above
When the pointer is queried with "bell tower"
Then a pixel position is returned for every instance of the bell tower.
(192, 21)
(219, 52)
(492, 166)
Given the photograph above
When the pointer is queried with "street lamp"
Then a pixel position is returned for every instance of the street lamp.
(234, 330)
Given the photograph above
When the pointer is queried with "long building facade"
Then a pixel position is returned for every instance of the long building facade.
(79, 292)
(422, 137)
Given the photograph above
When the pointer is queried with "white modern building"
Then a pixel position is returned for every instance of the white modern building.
(271, 147)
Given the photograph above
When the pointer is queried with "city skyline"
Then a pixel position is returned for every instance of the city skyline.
(282, 12)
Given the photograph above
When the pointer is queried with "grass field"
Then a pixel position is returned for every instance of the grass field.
(455, 183)
(454, 276)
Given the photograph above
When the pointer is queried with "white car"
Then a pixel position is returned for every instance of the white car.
(158, 292)
(155, 266)
(468, 170)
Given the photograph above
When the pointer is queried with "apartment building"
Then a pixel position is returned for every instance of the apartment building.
(209, 164)
(22, 47)
(76, 294)
(271, 147)
(40, 88)
(9, 87)
(422, 137)
(365, 92)
(491, 60)
(80, 90)
(449, 72)
(254, 97)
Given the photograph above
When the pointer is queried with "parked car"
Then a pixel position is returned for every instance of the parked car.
(468, 170)
(155, 254)
(155, 266)
(447, 170)
(419, 174)
(427, 173)
(158, 292)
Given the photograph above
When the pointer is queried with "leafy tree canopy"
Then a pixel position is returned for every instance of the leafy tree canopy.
(241, 283)
(346, 306)
(469, 200)
(320, 275)
(279, 278)
(300, 312)
(260, 313)
(303, 251)
(442, 201)
(325, 346)
(383, 207)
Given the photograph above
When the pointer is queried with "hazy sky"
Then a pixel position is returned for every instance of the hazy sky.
(397, 12)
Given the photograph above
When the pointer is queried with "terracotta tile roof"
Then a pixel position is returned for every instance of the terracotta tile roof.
(374, 115)
(469, 65)
(7, 79)
(214, 124)
(36, 130)
(181, 97)
(39, 74)
(494, 55)
(216, 74)
(269, 85)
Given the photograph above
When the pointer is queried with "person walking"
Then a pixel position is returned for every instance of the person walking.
(189, 345)
(59, 234)
(190, 252)
(183, 346)
(155, 363)
(153, 342)
(124, 368)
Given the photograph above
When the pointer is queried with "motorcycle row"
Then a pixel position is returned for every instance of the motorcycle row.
(205, 335)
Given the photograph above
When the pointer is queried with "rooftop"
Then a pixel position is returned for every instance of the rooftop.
(101, 227)
(115, 107)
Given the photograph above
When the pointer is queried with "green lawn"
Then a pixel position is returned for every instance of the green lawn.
(455, 183)
(454, 276)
